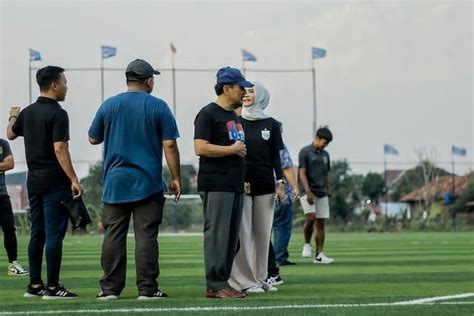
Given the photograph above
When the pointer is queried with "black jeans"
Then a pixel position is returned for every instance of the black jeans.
(147, 216)
(273, 268)
(8, 226)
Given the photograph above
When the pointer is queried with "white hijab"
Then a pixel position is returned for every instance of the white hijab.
(255, 112)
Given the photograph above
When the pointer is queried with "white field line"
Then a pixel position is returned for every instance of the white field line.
(425, 301)
(434, 299)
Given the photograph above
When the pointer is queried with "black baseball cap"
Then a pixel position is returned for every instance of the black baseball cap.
(141, 69)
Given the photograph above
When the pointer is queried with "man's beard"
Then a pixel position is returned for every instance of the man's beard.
(237, 105)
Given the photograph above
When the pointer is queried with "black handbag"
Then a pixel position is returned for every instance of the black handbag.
(77, 212)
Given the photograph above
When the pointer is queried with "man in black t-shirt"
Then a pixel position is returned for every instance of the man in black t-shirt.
(219, 143)
(44, 126)
(314, 166)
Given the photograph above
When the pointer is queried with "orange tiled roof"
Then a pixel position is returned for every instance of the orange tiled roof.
(438, 187)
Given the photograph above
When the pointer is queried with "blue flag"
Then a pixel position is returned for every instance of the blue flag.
(318, 53)
(34, 55)
(389, 150)
(458, 151)
(247, 56)
(108, 51)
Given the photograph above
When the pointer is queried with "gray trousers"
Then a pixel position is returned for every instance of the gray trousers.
(147, 215)
(222, 217)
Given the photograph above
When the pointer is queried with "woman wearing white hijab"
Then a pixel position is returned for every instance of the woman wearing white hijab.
(264, 142)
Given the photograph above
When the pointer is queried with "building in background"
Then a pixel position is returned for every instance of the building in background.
(16, 186)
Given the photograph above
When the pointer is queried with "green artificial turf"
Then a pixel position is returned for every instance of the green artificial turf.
(369, 268)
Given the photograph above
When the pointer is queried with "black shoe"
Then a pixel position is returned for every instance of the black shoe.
(286, 263)
(58, 293)
(156, 295)
(34, 292)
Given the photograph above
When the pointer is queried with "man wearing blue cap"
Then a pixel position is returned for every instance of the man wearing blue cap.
(219, 143)
(136, 129)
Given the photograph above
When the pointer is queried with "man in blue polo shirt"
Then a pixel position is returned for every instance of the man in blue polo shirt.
(136, 128)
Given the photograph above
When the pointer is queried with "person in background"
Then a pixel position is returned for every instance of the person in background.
(7, 221)
(314, 167)
(282, 221)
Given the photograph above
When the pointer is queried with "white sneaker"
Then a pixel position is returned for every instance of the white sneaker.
(103, 297)
(255, 289)
(306, 251)
(275, 280)
(269, 288)
(15, 268)
(321, 258)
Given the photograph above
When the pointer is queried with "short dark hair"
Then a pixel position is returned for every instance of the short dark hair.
(324, 133)
(133, 77)
(47, 75)
(219, 87)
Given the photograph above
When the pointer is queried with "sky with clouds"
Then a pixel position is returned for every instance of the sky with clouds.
(396, 72)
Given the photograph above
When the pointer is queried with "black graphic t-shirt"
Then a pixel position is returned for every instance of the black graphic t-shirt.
(220, 127)
(262, 162)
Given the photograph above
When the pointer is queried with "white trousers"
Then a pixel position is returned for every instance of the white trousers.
(251, 262)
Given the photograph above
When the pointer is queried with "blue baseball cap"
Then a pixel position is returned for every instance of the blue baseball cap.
(229, 75)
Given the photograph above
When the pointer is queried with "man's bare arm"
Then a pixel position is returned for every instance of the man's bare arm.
(304, 180)
(290, 176)
(8, 163)
(170, 148)
(61, 149)
(14, 113)
(206, 149)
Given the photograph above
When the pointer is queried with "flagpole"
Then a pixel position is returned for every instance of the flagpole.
(173, 72)
(385, 180)
(313, 76)
(102, 75)
(243, 65)
(29, 79)
(453, 176)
